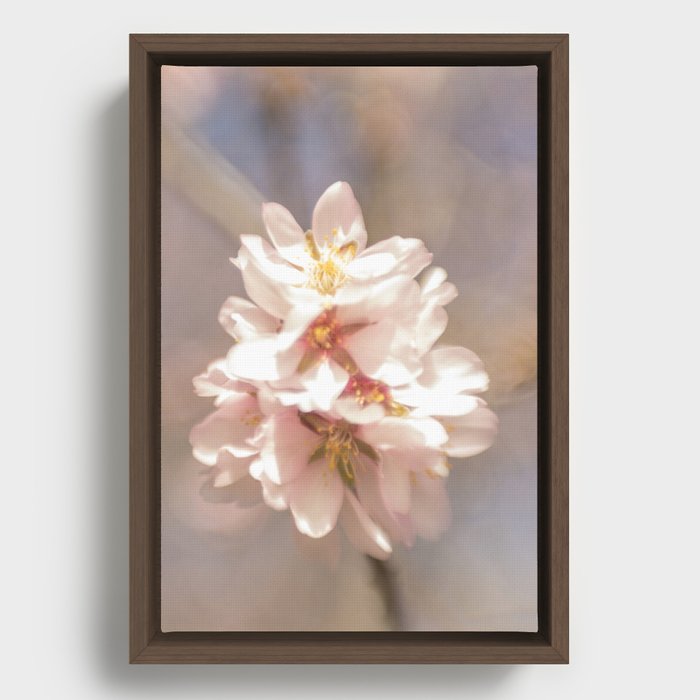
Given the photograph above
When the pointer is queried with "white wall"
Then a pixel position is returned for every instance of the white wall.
(635, 351)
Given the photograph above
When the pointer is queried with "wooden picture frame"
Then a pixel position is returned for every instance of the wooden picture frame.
(148, 644)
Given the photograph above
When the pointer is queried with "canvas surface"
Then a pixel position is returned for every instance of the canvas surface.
(447, 155)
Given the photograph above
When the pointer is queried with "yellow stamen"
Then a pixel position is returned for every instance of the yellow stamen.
(348, 251)
(311, 247)
(251, 419)
(327, 271)
(321, 335)
(340, 450)
(375, 395)
(326, 276)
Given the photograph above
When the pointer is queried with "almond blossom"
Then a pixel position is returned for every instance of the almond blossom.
(334, 397)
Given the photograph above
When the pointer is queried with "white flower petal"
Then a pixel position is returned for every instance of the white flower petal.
(402, 365)
(434, 403)
(367, 302)
(363, 533)
(229, 427)
(274, 495)
(287, 446)
(397, 526)
(338, 209)
(270, 262)
(453, 369)
(229, 470)
(324, 382)
(263, 358)
(395, 484)
(260, 288)
(285, 233)
(471, 434)
(410, 254)
(444, 294)
(370, 346)
(417, 459)
(432, 278)
(315, 499)
(348, 408)
(216, 382)
(366, 267)
(241, 318)
(297, 321)
(430, 326)
(404, 433)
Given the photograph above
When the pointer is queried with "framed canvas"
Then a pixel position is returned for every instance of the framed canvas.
(348, 349)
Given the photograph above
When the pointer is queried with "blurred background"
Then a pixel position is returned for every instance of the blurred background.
(446, 154)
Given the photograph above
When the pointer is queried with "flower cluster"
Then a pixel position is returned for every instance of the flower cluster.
(333, 396)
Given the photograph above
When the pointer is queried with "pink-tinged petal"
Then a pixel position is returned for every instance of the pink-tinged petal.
(370, 346)
(315, 498)
(431, 325)
(367, 302)
(404, 433)
(260, 288)
(228, 428)
(213, 381)
(430, 507)
(348, 408)
(444, 294)
(268, 402)
(285, 233)
(352, 298)
(369, 492)
(453, 369)
(368, 267)
(418, 459)
(274, 495)
(395, 484)
(263, 358)
(364, 534)
(402, 365)
(338, 209)
(410, 255)
(270, 262)
(432, 318)
(223, 479)
(244, 492)
(216, 382)
(471, 434)
(287, 446)
(297, 321)
(429, 402)
(257, 468)
(434, 289)
(432, 278)
(324, 383)
(242, 319)
(272, 356)
(229, 469)
(394, 373)
(290, 392)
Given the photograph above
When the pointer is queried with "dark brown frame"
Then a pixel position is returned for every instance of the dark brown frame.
(146, 641)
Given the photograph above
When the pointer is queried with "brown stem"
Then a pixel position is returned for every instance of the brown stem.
(385, 580)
